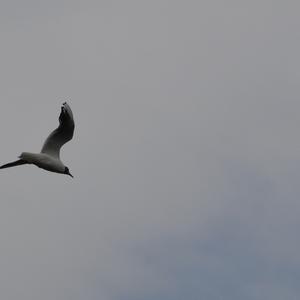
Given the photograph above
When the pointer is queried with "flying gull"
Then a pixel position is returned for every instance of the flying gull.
(49, 159)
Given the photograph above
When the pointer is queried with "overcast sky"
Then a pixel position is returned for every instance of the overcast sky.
(186, 153)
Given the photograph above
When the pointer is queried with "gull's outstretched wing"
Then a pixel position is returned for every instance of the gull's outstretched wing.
(14, 164)
(62, 134)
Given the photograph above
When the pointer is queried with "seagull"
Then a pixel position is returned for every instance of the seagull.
(48, 159)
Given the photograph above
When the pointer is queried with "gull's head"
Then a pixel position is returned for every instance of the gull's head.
(67, 172)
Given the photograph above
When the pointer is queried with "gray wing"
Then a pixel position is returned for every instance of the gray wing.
(14, 164)
(62, 134)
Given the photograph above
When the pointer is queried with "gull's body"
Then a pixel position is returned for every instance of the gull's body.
(49, 158)
(44, 161)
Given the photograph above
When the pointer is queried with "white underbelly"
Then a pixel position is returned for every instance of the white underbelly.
(44, 161)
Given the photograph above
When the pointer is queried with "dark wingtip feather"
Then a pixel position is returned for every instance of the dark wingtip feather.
(14, 164)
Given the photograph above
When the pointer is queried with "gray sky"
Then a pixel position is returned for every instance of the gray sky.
(186, 153)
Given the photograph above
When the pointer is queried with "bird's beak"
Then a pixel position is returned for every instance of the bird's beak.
(71, 175)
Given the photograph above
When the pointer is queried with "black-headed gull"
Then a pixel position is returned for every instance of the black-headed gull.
(49, 159)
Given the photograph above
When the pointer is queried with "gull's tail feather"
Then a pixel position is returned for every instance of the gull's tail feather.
(14, 164)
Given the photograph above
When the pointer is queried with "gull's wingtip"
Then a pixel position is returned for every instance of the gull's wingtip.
(14, 164)
(66, 106)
